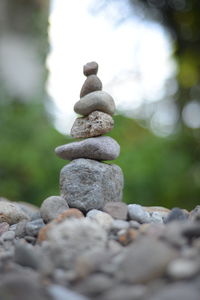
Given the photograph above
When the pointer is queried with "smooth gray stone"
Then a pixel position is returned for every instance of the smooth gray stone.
(25, 255)
(98, 100)
(33, 227)
(58, 292)
(95, 124)
(145, 260)
(98, 148)
(137, 213)
(52, 207)
(91, 84)
(117, 210)
(86, 184)
(90, 68)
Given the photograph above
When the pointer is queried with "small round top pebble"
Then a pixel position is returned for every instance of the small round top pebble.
(91, 68)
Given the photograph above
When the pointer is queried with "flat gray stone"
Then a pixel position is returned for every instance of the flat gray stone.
(52, 207)
(86, 184)
(98, 148)
(96, 123)
(137, 213)
(91, 84)
(90, 68)
(98, 100)
(117, 210)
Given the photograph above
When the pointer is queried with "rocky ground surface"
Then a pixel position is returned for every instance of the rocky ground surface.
(123, 252)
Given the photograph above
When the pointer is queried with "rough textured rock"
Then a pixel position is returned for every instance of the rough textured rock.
(96, 123)
(98, 148)
(78, 236)
(117, 210)
(98, 100)
(11, 213)
(86, 184)
(91, 84)
(90, 68)
(52, 207)
(145, 260)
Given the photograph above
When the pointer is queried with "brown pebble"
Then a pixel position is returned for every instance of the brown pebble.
(127, 236)
(90, 68)
(91, 84)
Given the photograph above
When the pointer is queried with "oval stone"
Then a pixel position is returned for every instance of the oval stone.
(91, 84)
(96, 123)
(90, 68)
(98, 148)
(98, 100)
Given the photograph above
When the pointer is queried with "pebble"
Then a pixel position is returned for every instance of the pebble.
(102, 218)
(176, 214)
(98, 100)
(125, 292)
(145, 260)
(95, 124)
(68, 214)
(182, 269)
(126, 236)
(90, 68)
(11, 213)
(58, 292)
(3, 227)
(87, 184)
(33, 227)
(52, 207)
(137, 213)
(8, 236)
(25, 255)
(91, 84)
(156, 217)
(21, 229)
(195, 214)
(118, 210)
(119, 224)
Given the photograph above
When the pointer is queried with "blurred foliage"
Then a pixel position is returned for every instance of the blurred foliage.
(158, 171)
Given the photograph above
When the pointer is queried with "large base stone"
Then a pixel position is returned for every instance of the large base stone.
(87, 184)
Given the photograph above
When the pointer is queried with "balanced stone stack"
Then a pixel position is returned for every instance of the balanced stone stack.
(87, 182)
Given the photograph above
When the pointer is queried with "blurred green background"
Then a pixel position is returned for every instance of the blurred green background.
(158, 170)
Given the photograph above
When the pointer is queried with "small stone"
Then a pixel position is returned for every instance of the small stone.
(145, 260)
(90, 68)
(127, 236)
(182, 269)
(95, 124)
(21, 229)
(11, 213)
(137, 213)
(98, 148)
(8, 236)
(3, 227)
(119, 224)
(58, 292)
(177, 291)
(98, 100)
(86, 184)
(68, 214)
(176, 214)
(102, 218)
(125, 292)
(26, 256)
(33, 227)
(195, 214)
(163, 211)
(91, 84)
(28, 208)
(52, 207)
(134, 224)
(156, 217)
(118, 210)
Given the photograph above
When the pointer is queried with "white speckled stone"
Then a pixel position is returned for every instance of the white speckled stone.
(86, 184)
(98, 148)
(96, 123)
(98, 100)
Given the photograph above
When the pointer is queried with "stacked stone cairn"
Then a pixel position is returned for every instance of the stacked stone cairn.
(86, 182)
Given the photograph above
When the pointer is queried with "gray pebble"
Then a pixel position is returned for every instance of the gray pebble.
(11, 213)
(25, 255)
(137, 213)
(95, 124)
(33, 227)
(102, 218)
(182, 268)
(98, 148)
(176, 214)
(98, 100)
(117, 210)
(90, 68)
(21, 229)
(8, 236)
(58, 292)
(156, 217)
(52, 207)
(119, 224)
(86, 184)
(91, 84)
